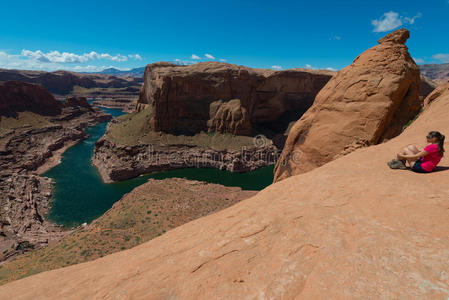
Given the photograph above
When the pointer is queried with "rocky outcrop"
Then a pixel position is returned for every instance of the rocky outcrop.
(18, 96)
(365, 103)
(184, 99)
(229, 117)
(440, 91)
(28, 141)
(116, 162)
(127, 105)
(77, 101)
(351, 229)
(26, 200)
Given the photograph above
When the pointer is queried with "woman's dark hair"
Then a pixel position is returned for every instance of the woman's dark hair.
(440, 140)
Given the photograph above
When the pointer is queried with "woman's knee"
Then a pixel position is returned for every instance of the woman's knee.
(412, 148)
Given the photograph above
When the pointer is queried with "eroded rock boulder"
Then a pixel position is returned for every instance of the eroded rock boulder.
(229, 117)
(363, 104)
(440, 91)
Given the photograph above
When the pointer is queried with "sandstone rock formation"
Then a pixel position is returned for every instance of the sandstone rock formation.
(182, 97)
(19, 96)
(124, 104)
(365, 103)
(77, 101)
(441, 91)
(33, 128)
(116, 162)
(351, 229)
(229, 117)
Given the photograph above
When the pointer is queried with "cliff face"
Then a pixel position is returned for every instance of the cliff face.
(352, 228)
(226, 98)
(365, 103)
(18, 96)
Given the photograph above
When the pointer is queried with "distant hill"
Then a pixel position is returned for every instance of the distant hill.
(436, 72)
(136, 72)
(64, 82)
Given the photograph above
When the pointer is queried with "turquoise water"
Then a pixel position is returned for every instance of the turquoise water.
(79, 194)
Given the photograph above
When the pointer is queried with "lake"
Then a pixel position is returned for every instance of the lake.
(80, 195)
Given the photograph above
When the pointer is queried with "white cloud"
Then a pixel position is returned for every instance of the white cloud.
(276, 67)
(67, 57)
(16, 61)
(209, 56)
(55, 60)
(335, 37)
(392, 20)
(389, 21)
(194, 56)
(135, 56)
(412, 20)
(313, 68)
(183, 62)
(418, 60)
(443, 57)
(222, 59)
(88, 68)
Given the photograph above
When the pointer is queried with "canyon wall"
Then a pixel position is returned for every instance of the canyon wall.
(226, 98)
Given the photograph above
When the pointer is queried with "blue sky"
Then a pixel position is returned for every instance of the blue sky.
(91, 35)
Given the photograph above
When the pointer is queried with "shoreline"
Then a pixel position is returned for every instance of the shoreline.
(55, 158)
(28, 194)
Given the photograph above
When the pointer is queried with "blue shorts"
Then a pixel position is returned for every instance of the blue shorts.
(418, 168)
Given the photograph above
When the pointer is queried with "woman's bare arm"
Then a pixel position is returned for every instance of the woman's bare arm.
(414, 156)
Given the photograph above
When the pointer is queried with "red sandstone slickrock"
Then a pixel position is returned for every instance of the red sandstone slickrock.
(351, 229)
(363, 104)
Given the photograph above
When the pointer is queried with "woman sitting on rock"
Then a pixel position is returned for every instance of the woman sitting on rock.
(421, 161)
